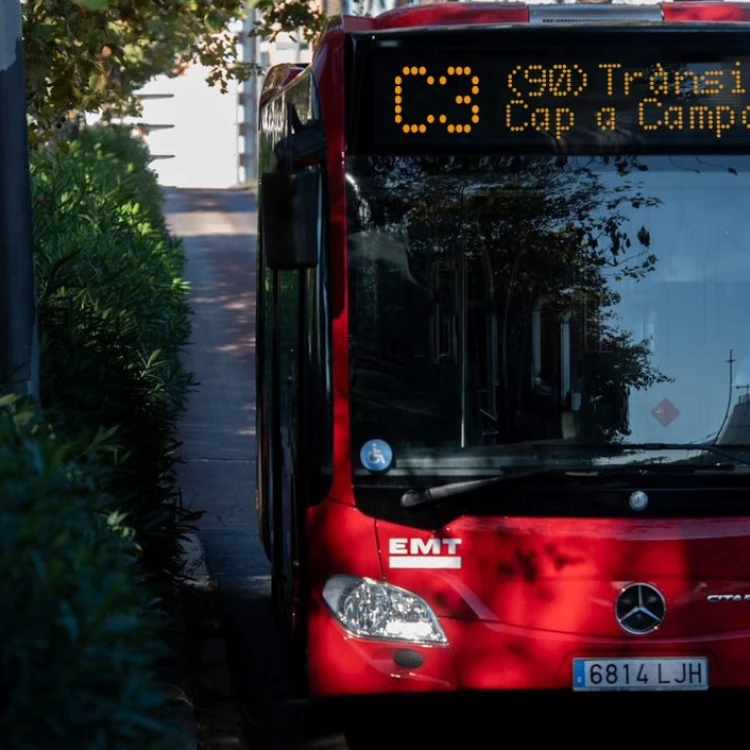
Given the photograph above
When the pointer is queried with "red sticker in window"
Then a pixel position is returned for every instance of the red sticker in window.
(665, 412)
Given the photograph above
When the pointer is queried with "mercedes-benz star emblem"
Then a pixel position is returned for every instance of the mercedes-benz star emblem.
(640, 608)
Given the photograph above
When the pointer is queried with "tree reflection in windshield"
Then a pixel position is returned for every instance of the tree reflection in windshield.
(499, 300)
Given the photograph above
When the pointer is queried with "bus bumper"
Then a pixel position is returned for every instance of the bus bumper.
(487, 656)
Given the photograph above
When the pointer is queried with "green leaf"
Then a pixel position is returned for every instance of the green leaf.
(94, 4)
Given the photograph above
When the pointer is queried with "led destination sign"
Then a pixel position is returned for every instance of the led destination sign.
(639, 96)
(551, 99)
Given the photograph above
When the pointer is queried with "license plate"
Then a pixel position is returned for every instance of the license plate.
(640, 674)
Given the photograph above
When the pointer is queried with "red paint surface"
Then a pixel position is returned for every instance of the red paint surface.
(328, 67)
(706, 11)
(531, 595)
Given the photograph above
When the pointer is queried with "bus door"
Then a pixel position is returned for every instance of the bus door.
(288, 345)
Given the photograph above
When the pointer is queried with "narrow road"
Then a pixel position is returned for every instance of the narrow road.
(218, 475)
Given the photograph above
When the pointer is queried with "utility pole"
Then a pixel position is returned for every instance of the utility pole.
(19, 358)
(248, 104)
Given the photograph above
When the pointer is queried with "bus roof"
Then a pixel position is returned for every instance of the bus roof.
(472, 14)
(482, 13)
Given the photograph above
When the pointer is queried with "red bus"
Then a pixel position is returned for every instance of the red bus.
(503, 358)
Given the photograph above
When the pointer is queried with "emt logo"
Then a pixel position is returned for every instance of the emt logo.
(424, 553)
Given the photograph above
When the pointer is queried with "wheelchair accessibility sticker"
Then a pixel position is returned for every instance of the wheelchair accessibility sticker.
(376, 455)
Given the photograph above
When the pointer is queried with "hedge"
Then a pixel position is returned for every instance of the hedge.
(89, 519)
(113, 317)
(77, 642)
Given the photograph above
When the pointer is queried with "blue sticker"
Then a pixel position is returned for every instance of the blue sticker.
(376, 455)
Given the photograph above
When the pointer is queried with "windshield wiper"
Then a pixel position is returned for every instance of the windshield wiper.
(724, 451)
(433, 495)
(417, 498)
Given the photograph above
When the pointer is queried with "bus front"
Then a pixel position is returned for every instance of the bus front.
(548, 374)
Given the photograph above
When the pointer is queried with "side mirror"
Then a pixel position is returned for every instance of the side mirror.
(289, 219)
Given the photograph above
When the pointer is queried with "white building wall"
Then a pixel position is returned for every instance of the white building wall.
(191, 130)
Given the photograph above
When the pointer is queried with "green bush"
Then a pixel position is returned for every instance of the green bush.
(77, 645)
(113, 319)
(89, 524)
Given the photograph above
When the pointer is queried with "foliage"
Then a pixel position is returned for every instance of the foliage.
(77, 643)
(298, 17)
(86, 57)
(113, 318)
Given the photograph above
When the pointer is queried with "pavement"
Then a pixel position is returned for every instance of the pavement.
(217, 476)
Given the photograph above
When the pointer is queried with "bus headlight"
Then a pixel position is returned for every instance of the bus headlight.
(378, 610)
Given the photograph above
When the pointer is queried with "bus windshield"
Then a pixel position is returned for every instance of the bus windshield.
(502, 301)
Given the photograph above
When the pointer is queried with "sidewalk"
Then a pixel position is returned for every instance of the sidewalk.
(217, 475)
